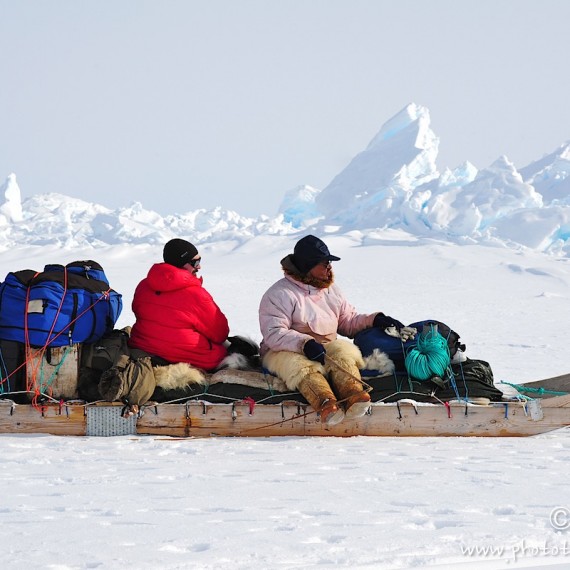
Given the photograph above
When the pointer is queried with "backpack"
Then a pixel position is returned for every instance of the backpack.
(107, 352)
(130, 381)
(61, 305)
(111, 370)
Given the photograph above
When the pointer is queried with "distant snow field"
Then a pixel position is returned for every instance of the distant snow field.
(393, 184)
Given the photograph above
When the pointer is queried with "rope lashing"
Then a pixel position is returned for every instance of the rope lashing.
(46, 385)
(251, 403)
(530, 390)
(430, 357)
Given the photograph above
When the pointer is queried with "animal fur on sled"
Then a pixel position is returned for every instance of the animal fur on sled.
(379, 361)
(243, 354)
(178, 375)
(249, 378)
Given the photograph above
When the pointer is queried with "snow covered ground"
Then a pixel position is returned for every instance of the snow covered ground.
(144, 502)
(292, 503)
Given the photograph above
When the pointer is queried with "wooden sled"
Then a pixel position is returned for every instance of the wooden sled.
(245, 419)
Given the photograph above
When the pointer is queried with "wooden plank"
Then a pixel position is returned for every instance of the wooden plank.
(557, 402)
(202, 419)
(209, 420)
(49, 419)
(438, 421)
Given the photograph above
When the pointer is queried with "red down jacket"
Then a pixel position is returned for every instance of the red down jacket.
(177, 319)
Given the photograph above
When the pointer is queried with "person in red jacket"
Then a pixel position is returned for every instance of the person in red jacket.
(176, 318)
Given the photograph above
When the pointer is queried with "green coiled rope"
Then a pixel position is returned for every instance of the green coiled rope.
(430, 357)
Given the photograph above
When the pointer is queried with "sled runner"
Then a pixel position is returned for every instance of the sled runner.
(547, 410)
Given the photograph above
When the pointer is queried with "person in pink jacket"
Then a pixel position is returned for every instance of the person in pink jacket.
(176, 318)
(300, 317)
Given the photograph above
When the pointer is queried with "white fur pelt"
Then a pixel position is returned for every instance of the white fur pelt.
(178, 375)
(379, 361)
(236, 361)
(248, 378)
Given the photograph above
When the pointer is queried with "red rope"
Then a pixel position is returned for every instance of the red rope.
(32, 377)
(251, 402)
(32, 354)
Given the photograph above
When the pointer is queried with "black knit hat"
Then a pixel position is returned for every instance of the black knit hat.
(178, 252)
(309, 251)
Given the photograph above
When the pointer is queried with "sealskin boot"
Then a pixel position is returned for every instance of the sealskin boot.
(347, 386)
(318, 393)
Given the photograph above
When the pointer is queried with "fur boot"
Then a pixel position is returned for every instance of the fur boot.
(318, 393)
(306, 376)
(343, 364)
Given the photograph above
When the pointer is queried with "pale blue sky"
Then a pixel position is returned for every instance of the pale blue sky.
(184, 104)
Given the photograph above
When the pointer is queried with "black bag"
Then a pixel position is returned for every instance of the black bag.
(111, 370)
(12, 369)
(470, 379)
(107, 352)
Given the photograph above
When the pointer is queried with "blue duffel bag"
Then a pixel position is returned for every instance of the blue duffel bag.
(61, 305)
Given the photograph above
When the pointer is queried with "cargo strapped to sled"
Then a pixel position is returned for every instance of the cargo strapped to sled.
(60, 306)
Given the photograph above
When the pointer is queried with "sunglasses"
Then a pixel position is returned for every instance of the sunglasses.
(195, 262)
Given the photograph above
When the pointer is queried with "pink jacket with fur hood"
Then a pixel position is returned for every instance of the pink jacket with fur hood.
(291, 313)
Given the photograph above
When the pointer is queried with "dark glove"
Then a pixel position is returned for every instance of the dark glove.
(384, 322)
(314, 351)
